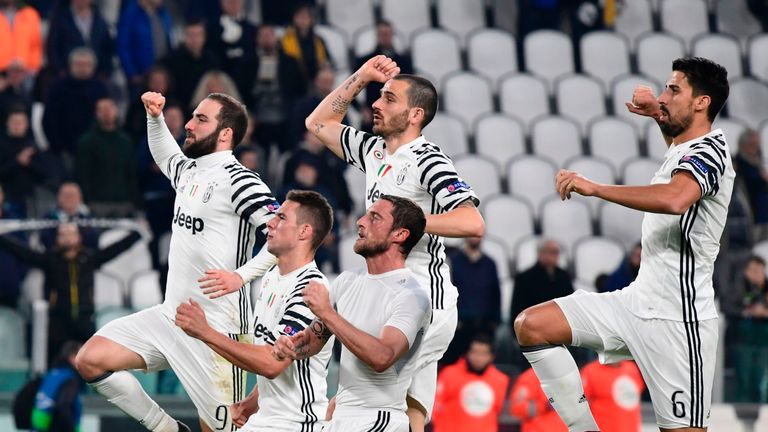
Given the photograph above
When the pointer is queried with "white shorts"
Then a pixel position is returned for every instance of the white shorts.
(367, 420)
(436, 341)
(677, 360)
(212, 382)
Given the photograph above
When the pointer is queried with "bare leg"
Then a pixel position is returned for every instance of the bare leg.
(543, 324)
(417, 415)
(100, 355)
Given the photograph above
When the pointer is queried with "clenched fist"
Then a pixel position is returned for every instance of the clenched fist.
(153, 103)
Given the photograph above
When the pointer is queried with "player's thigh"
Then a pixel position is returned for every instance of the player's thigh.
(372, 420)
(100, 354)
(542, 324)
(677, 361)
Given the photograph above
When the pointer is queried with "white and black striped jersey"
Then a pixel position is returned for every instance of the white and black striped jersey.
(370, 303)
(296, 399)
(218, 208)
(675, 278)
(421, 172)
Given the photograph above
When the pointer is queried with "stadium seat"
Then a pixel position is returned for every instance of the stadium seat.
(110, 314)
(449, 133)
(509, 220)
(758, 56)
(655, 53)
(348, 259)
(436, 53)
(32, 286)
(548, 54)
(567, 221)
(349, 15)
(720, 48)
(733, 17)
(467, 96)
(491, 53)
(747, 102)
(604, 55)
(499, 137)
(531, 178)
(144, 290)
(654, 141)
(640, 171)
(364, 41)
(621, 223)
(621, 92)
(461, 16)
(593, 168)
(595, 255)
(408, 16)
(108, 291)
(481, 173)
(527, 254)
(507, 289)
(13, 335)
(580, 98)
(732, 129)
(556, 138)
(634, 19)
(684, 18)
(337, 44)
(497, 251)
(524, 97)
(128, 263)
(614, 140)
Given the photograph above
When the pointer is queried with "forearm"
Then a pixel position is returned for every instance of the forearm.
(251, 402)
(257, 265)
(657, 198)
(252, 358)
(364, 346)
(459, 222)
(162, 145)
(333, 107)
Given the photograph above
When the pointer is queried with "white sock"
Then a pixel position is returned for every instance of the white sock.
(561, 382)
(123, 390)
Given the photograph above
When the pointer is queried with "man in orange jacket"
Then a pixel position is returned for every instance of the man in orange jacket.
(470, 393)
(20, 34)
(613, 392)
(530, 405)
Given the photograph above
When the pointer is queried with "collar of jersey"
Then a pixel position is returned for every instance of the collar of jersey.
(419, 140)
(213, 158)
(682, 145)
(310, 264)
(386, 274)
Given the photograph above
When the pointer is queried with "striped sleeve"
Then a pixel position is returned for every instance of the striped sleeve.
(439, 177)
(706, 161)
(296, 315)
(252, 199)
(357, 146)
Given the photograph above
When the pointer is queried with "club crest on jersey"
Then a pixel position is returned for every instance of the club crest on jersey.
(457, 185)
(401, 175)
(208, 192)
(378, 154)
(384, 169)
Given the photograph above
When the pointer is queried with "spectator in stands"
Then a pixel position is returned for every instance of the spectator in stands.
(760, 9)
(544, 281)
(470, 393)
(69, 280)
(106, 165)
(279, 13)
(323, 85)
(58, 402)
(301, 43)
(746, 307)
(249, 157)
(14, 90)
(11, 268)
(385, 38)
(537, 14)
(626, 272)
(71, 103)
(613, 391)
(234, 39)
(187, 64)
(70, 208)
(143, 37)
(157, 80)
(78, 24)
(21, 35)
(531, 406)
(21, 164)
(214, 81)
(751, 169)
(479, 305)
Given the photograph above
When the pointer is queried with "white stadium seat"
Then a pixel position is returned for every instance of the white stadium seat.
(747, 102)
(499, 137)
(566, 221)
(634, 18)
(108, 291)
(580, 98)
(128, 263)
(655, 53)
(349, 15)
(467, 96)
(461, 16)
(548, 54)
(605, 55)
(595, 255)
(436, 53)
(492, 53)
(621, 223)
(722, 49)
(614, 140)
(144, 290)
(481, 173)
(337, 44)
(593, 168)
(527, 254)
(449, 133)
(531, 178)
(621, 92)
(556, 138)
(509, 220)
(758, 56)
(684, 18)
(523, 96)
(639, 172)
(408, 16)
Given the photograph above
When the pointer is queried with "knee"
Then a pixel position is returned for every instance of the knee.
(87, 364)
(528, 328)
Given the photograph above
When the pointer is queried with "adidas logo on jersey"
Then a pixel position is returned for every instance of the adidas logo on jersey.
(188, 221)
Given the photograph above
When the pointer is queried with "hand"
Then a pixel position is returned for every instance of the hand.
(24, 157)
(644, 102)
(379, 68)
(283, 348)
(317, 299)
(570, 181)
(217, 283)
(153, 103)
(190, 317)
(240, 414)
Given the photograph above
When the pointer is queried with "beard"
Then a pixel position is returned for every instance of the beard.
(396, 125)
(371, 248)
(200, 147)
(672, 127)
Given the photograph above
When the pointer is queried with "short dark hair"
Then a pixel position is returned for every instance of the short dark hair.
(706, 78)
(314, 210)
(421, 94)
(756, 259)
(408, 215)
(482, 338)
(232, 115)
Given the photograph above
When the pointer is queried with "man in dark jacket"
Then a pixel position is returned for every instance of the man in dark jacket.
(21, 164)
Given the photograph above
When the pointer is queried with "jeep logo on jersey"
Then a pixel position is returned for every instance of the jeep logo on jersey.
(373, 194)
(188, 221)
(260, 330)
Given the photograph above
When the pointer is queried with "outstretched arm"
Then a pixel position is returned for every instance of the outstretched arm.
(325, 120)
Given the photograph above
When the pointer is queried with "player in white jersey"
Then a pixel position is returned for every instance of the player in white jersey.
(218, 209)
(379, 315)
(290, 395)
(399, 161)
(666, 319)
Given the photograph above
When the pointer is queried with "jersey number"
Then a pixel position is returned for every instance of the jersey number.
(678, 407)
(221, 415)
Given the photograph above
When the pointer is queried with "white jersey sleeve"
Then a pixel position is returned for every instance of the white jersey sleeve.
(251, 198)
(439, 178)
(706, 161)
(408, 312)
(165, 151)
(356, 145)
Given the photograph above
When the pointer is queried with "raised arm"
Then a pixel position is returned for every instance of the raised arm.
(164, 148)
(325, 121)
(645, 103)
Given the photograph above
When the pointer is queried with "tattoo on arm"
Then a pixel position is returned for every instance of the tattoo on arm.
(351, 81)
(340, 105)
(320, 330)
(318, 126)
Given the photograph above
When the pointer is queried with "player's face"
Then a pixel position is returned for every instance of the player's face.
(391, 111)
(676, 103)
(283, 229)
(202, 130)
(374, 230)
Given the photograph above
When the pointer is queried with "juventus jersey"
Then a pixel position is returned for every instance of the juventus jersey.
(421, 172)
(296, 399)
(218, 208)
(675, 278)
(371, 302)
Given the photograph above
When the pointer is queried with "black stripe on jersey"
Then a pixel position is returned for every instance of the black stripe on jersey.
(253, 208)
(435, 282)
(421, 161)
(298, 316)
(244, 175)
(243, 233)
(720, 165)
(252, 197)
(307, 395)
